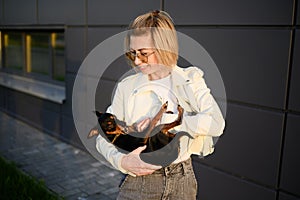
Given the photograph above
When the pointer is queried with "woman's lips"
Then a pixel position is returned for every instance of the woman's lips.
(143, 67)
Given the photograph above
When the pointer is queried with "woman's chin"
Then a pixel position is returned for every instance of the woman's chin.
(144, 69)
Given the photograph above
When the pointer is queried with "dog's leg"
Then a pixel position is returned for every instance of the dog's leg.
(167, 127)
(155, 120)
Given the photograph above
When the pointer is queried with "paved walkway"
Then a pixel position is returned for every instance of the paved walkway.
(66, 170)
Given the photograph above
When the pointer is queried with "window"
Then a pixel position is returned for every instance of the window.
(33, 62)
(13, 47)
(39, 55)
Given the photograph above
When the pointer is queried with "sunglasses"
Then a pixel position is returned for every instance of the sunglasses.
(143, 56)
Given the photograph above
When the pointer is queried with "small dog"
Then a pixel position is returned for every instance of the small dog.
(162, 146)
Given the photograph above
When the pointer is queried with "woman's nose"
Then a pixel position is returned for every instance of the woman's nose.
(137, 61)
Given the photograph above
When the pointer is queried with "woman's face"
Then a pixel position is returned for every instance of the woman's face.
(143, 45)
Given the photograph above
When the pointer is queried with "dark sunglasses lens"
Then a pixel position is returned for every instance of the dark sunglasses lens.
(131, 56)
(143, 58)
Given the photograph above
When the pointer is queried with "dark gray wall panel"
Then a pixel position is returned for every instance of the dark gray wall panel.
(75, 39)
(114, 70)
(118, 11)
(117, 69)
(49, 121)
(66, 12)
(20, 97)
(290, 174)
(1, 12)
(283, 196)
(98, 35)
(2, 97)
(83, 95)
(69, 132)
(230, 12)
(34, 111)
(85, 100)
(62, 12)
(250, 145)
(298, 14)
(20, 12)
(67, 106)
(214, 185)
(252, 62)
(294, 100)
(104, 95)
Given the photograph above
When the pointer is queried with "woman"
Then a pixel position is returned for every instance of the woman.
(152, 48)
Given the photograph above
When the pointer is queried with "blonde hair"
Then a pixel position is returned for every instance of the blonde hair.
(161, 27)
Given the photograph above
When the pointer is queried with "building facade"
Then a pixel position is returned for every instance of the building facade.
(255, 44)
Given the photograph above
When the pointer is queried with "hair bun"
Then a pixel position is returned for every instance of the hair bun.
(155, 13)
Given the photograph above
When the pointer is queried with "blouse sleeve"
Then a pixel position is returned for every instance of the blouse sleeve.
(108, 150)
(207, 119)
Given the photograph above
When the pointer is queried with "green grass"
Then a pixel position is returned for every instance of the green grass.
(14, 184)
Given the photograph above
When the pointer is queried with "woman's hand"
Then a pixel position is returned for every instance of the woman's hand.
(133, 163)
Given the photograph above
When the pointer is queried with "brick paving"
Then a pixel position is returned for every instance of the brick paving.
(65, 169)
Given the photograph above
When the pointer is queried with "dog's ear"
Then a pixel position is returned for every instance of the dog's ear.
(98, 113)
(93, 132)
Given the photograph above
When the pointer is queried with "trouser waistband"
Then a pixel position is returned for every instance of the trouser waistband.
(181, 167)
(178, 168)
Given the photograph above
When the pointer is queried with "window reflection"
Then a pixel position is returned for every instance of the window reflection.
(13, 53)
(40, 53)
(58, 45)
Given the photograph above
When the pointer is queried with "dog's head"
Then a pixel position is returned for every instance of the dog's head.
(109, 124)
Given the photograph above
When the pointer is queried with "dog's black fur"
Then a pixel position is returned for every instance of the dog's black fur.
(162, 146)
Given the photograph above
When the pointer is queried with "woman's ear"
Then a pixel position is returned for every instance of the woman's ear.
(98, 113)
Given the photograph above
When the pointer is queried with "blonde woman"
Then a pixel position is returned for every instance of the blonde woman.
(152, 48)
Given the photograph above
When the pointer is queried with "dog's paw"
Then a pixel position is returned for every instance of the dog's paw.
(165, 105)
(180, 109)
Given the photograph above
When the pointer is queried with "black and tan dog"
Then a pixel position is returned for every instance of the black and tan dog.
(162, 146)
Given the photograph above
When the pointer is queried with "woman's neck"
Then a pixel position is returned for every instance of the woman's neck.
(159, 75)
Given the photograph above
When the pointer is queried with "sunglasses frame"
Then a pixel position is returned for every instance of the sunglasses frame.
(131, 55)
